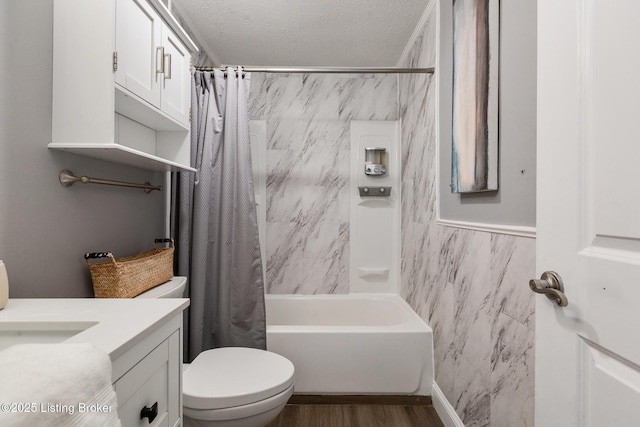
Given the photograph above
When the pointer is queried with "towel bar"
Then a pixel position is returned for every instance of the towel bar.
(67, 179)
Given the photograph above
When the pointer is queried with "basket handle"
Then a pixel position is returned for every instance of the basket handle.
(165, 240)
(93, 255)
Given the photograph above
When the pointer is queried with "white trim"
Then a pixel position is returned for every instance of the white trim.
(173, 23)
(436, 119)
(446, 412)
(419, 29)
(514, 230)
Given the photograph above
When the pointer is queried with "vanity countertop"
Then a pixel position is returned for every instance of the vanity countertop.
(112, 325)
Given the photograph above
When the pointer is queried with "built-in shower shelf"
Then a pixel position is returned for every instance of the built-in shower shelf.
(373, 273)
(374, 191)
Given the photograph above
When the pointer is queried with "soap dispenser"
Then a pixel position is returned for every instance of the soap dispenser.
(375, 161)
(4, 286)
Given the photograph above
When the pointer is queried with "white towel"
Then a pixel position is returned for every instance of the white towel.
(56, 385)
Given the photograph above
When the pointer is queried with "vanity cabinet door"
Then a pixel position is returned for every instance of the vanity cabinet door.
(149, 394)
(139, 49)
(176, 94)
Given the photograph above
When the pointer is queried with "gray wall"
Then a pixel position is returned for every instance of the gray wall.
(514, 202)
(44, 227)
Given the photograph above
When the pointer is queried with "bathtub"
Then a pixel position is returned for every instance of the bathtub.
(351, 344)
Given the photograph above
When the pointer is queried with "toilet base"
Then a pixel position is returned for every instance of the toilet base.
(257, 414)
(259, 420)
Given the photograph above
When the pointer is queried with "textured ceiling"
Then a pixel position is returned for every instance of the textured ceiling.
(302, 32)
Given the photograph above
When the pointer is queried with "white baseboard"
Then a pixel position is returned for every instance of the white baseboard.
(445, 411)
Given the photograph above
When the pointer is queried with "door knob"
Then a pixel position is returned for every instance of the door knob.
(550, 284)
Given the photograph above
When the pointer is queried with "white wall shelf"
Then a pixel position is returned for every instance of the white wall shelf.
(134, 107)
(123, 155)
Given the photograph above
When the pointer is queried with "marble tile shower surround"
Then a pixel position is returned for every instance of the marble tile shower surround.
(308, 150)
(469, 286)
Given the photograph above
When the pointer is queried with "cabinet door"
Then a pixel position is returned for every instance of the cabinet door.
(176, 96)
(154, 380)
(139, 47)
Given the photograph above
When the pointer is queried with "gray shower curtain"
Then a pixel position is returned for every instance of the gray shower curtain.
(215, 221)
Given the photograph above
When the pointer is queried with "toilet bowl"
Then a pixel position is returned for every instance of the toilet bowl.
(236, 387)
(231, 386)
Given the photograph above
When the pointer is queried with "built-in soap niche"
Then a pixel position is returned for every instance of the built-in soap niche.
(375, 207)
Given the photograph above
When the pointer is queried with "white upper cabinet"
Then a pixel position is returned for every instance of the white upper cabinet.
(139, 49)
(152, 62)
(121, 83)
(176, 95)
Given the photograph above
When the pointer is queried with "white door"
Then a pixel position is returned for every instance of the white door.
(140, 55)
(176, 96)
(588, 353)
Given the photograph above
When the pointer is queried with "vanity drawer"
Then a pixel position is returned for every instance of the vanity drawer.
(151, 384)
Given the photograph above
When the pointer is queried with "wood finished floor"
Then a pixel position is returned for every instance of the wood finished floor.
(357, 415)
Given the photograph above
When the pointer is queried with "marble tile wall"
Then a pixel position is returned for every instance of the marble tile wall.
(470, 286)
(308, 150)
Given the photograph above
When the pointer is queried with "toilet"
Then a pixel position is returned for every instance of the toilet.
(232, 386)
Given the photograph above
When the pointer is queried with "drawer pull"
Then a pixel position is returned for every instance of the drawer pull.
(150, 413)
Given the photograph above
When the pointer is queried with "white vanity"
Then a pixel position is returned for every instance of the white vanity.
(143, 338)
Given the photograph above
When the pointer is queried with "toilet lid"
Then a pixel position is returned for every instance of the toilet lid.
(234, 376)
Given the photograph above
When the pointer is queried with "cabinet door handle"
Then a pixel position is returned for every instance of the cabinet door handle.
(160, 62)
(167, 74)
(150, 413)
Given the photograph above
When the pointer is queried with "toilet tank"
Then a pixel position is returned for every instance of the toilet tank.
(174, 288)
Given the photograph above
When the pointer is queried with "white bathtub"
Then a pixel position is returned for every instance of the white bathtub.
(351, 344)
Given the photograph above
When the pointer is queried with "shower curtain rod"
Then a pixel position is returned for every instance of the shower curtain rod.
(334, 70)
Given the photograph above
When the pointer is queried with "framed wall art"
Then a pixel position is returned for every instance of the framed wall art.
(474, 157)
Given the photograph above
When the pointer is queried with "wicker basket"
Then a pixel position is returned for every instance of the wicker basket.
(130, 276)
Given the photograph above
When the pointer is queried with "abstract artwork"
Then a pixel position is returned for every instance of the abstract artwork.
(474, 160)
